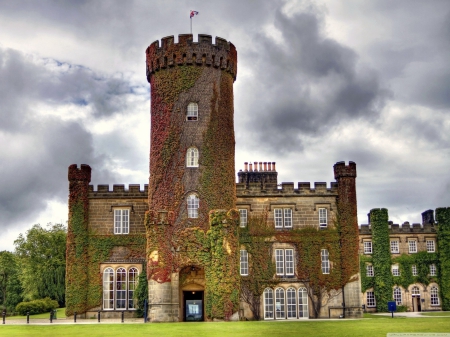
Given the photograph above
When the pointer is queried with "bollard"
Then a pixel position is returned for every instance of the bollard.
(28, 317)
(123, 312)
(75, 317)
(98, 316)
(4, 316)
(51, 316)
(54, 314)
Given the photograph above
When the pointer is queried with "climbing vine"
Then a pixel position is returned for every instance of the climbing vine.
(443, 238)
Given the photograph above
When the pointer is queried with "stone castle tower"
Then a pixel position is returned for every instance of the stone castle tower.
(191, 162)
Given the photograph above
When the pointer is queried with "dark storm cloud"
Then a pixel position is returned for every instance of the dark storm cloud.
(309, 83)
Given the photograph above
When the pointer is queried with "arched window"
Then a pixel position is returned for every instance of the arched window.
(192, 206)
(268, 303)
(108, 289)
(192, 112)
(303, 311)
(279, 303)
(398, 296)
(434, 297)
(132, 283)
(291, 303)
(192, 157)
(121, 288)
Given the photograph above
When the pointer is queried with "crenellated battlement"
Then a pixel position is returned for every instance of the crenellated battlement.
(79, 174)
(287, 188)
(118, 191)
(221, 55)
(342, 170)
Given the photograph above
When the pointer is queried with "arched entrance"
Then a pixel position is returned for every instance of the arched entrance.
(192, 293)
(415, 293)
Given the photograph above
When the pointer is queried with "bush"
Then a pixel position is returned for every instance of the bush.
(36, 306)
(402, 308)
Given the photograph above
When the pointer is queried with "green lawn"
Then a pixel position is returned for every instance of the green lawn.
(363, 327)
(437, 313)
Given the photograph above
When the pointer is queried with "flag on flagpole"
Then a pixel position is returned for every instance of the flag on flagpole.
(192, 14)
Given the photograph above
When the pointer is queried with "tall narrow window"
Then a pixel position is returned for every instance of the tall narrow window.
(414, 270)
(192, 157)
(192, 112)
(244, 263)
(369, 270)
(268, 303)
(132, 283)
(243, 218)
(121, 221)
(291, 303)
(434, 296)
(367, 247)
(108, 289)
(394, 247)
(370, 299)
(398, 296)
(192, 206)
(323, 217)
(432, 270)
(412, 246)
(325, 261)
(121, 288)
(303, 311)
(430, 246)
(279, 261)
(283, 217)
(395, 270)
(279, 303)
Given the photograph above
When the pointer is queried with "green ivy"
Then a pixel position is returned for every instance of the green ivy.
(443, 239)
(367, 282)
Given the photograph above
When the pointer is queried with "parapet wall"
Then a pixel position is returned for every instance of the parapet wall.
(118, 191)
(303, 188)
(221, 55)
(404, 228)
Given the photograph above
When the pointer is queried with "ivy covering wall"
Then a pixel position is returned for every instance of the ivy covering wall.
(443, 238)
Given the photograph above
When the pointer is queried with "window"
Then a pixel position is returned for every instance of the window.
(192, 206)
(432, 270)
(284, 261)
(412, 246)
(415, 291)
(325, 261)
(243, 218)
(430, 246)
(291, 303)
(268, 303)
(244, 263)
(398, 296)
(367, 247)
(394, 247)
(118, 288)
(370, 298)
(434, 296)
(283, 217)
(279, 303)
(395, 270)
(303, 311)
(192, 157)
(121, 221)
(192, 112)
(369, 270)
(414, 270)
(323, 217)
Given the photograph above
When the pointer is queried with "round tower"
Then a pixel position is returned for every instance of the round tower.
(191, 154)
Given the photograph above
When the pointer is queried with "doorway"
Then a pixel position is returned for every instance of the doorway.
(416, 305)
(193, 306)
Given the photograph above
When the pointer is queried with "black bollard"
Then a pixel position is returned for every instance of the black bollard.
(75, 317)
(28, 317)
(4, 316)
(54, 314)
(51, 316)
(123, 312)
(98, 316)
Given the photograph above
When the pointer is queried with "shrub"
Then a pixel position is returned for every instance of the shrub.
(36, 306)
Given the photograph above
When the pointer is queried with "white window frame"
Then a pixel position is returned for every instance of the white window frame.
(325, 259)
(395, 270)
(433, 270)
(282, 217)
(121, 220)
(434, 296)
(121, 289)
(118, 288)
(193, 203)
(367, 247)
(395, 248)
(284, 262)
(369, 270)
(108, 289)
(414, 270)
(370, 299)
(244, 263)
(192, 112)
(412, 246)
(303, 309)
(192, 157)
(323, 217)
(431, 247)
(133, 275)
(291, 303)
(268, 304)
(243, 217)
(280, 304)
(397, 295)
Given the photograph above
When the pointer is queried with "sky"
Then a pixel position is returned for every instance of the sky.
(318, 82)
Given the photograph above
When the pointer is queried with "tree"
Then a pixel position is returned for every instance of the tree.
(10, 287)
(42, 257)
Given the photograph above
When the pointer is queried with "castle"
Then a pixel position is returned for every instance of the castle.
(212, 248)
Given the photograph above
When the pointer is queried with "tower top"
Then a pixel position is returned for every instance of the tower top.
(221, 55)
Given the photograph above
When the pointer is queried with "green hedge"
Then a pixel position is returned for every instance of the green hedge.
(36, 306)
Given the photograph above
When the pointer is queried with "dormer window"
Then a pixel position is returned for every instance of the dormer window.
(192, 112)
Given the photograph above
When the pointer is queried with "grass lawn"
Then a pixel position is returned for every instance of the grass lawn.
(363, 327)
(438, 313)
